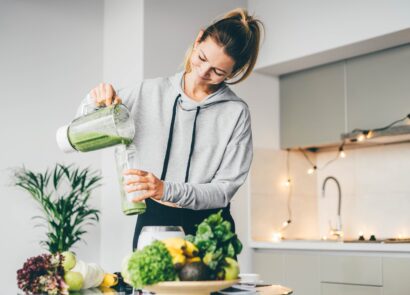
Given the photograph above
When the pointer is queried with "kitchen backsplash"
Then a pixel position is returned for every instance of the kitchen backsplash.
(269, 195)
(375, 193)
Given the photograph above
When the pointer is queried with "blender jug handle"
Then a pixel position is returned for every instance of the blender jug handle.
(89, 108)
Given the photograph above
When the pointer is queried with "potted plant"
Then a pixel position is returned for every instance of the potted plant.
(63, 195)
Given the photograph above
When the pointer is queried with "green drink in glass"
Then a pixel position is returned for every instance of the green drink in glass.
(126, 158)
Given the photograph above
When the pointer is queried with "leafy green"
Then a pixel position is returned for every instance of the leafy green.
(63, 196)
(215, 241)
(151, 265)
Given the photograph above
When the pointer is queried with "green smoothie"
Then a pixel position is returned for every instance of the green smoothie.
(129, 208)
(90, 141)
(132, 208)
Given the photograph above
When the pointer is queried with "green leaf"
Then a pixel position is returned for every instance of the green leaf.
(66, 213)
(230, 251)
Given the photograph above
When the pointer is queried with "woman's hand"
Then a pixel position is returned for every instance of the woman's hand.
(144, 181)
(104, 95)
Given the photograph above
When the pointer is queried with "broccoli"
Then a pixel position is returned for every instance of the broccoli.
(151, 265)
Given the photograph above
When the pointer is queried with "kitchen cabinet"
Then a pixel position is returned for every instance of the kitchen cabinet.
(328, 273)
(297, 271)
(302, 273)
(361, 270)
(312, 105)
(341, 289)
(378, 88)
(270, 267)
(396, 272)
(370, 91)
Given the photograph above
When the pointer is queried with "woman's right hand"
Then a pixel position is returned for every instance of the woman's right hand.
(104, 95)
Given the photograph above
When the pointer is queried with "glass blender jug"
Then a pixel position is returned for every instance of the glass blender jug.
(126, 158)
(104, 127)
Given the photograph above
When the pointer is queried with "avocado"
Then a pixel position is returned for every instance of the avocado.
(195, 271)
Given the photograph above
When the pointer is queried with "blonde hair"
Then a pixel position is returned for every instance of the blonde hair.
(239, 34)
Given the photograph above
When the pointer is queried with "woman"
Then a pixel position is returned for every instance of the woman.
(193, 134)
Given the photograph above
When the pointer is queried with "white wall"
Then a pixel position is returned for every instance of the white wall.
(261, 94)
(297, 30)
(123, 66)
(170, 27)
(50, 54)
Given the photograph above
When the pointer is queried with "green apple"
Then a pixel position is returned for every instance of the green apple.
(69, 260)
(231, 269)
(74, 280)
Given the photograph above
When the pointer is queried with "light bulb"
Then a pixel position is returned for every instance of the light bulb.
(276, 237)
(342, 154)
(287, 182)
(311, 170)
(286, 223)
(361, 137)
(369, 134)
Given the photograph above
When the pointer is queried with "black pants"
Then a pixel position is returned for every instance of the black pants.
(157, 214)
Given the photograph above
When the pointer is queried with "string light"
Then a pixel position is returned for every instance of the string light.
(312, 170)
(286, 223)
(340, 154)
(361, 137)
(289, 220)
(277, 236)
(363, 134)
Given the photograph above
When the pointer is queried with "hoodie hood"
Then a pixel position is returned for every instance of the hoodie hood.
(223, 94)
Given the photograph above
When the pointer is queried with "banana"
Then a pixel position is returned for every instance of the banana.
(177, 243)
(190, 250)
(193, 259)
(181, 251)
(178, 257)
(109, 280)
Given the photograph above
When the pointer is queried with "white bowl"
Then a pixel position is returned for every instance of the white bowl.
(249, 278)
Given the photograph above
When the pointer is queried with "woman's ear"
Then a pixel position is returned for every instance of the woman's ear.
(198, 38)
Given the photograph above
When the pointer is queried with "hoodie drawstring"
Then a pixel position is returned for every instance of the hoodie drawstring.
(171, 131)
(170, 136)
(192, 145)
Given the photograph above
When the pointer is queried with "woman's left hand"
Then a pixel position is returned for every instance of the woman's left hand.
(144, 181)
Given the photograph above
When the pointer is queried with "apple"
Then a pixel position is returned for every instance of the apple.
(74, 280)
(231, 269)
(69, 260)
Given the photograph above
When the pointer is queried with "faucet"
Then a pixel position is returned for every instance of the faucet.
(335, 231)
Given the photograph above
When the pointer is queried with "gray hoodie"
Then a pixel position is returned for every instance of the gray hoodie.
(210, 152)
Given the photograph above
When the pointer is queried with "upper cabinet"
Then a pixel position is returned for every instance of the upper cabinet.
(378, 88)
(312, 106)
(366, 92)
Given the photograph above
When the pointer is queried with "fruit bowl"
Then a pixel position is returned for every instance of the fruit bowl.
(189, 287)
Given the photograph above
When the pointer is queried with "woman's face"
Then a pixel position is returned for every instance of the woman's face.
(209, 63)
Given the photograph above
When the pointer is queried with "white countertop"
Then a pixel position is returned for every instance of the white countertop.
(318, 245)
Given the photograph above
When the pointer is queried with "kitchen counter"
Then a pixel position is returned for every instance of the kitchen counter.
(262, 289)
(319, 245)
